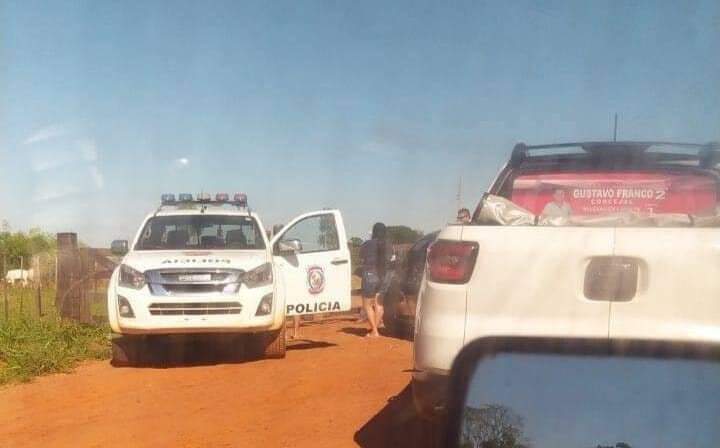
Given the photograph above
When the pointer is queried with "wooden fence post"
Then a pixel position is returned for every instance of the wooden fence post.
(39, 301)
(85, 283)
(68, 296)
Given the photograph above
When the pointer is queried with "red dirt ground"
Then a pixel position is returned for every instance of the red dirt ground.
(335, 388)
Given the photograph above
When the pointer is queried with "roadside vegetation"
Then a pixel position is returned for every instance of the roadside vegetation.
(30, 347)
(33, 339)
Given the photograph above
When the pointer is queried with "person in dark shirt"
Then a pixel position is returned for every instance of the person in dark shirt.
(374, 255)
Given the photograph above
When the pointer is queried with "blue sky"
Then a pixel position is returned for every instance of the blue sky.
(376, 108)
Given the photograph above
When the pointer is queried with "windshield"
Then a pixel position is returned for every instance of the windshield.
(200, 232)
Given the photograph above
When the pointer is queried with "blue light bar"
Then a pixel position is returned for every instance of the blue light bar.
(185, 197)
(167, 199)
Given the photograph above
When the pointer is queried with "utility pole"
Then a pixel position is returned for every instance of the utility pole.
(615, 129)
(458, 198)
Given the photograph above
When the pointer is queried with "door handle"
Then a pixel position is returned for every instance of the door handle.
(339, 261)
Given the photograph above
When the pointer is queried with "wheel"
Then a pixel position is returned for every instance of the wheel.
(268, 345)
(390, 317)
(395, 324)
(128, 350)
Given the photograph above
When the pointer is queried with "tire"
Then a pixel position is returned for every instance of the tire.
(396, 326)
(390, 318)
(128, 351)
(270, 345)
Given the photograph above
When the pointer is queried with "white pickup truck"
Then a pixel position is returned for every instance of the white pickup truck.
(207, 266)
(597, 239)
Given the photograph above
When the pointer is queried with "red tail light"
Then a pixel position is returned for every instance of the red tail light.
(451, 261)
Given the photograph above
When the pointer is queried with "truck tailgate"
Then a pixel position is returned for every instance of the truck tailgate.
(530, 280)
(678, 291)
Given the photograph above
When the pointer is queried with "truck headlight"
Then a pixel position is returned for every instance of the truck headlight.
(265, 305)
(131, 278)
(124, 307)
(260, 276)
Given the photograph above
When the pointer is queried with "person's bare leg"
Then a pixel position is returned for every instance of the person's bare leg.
(363, 314)
(293, 333)
(368, 303)
(379, 311)
(296, 327)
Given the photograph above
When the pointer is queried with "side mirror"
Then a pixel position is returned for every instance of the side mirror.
(517, 392)
(119, 247)
(289, 246)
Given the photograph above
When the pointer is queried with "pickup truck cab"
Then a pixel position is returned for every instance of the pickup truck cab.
(207, 266)
(608, 240)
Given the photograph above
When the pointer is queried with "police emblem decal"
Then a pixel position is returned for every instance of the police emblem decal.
(315, 279)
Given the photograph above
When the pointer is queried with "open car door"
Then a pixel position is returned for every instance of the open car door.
(313, 260)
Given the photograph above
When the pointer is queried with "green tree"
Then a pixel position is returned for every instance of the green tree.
(354, 245)
(403, 234)
(15, 246)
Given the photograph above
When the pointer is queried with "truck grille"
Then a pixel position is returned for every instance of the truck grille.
(194, 281)
(176, 277)
(192, 288)
(202, 308)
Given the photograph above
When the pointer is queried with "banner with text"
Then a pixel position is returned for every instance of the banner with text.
(610, 192)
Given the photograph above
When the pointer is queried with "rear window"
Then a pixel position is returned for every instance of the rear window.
(200, 232)
(598, 193)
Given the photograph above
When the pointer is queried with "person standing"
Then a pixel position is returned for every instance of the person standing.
(463, 216)
(374, 256)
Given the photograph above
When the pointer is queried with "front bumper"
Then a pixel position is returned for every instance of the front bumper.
(149, 320)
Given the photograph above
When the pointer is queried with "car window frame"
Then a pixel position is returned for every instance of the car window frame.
(465, 363)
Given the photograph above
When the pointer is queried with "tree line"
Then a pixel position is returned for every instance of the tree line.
(396, 235)
(19, 247)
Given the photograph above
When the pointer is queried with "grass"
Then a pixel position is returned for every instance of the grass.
(32, 344)
(31, 347)
(23, 302)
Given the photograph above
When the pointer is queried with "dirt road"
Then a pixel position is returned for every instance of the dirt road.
(335, 388)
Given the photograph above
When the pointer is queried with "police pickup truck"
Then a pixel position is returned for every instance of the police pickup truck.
(206, 266)
(608, 240)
